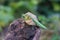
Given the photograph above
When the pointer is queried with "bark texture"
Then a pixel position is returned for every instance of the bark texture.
(19, 30)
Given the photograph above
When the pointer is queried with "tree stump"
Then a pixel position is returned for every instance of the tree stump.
(19, 30)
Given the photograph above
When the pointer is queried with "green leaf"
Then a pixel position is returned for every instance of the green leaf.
(6, 15)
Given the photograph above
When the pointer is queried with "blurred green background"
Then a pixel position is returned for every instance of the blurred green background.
(47, 11)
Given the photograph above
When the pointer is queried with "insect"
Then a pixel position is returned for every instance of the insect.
(31, 19)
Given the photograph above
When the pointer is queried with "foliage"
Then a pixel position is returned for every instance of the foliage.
(5, 15)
